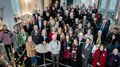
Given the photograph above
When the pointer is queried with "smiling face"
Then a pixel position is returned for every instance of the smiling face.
(30, 38)
(67, 37)
(15, 28)
(95, 19)
(115, 30)
(80, 26)
(89, 31)
(35, 27)
(115, 51)
(39, 18)
(22, 30)
(44, 32)
(70, 32)
(99, 33)
(84, 17)
(76, 20)
(4, 27)
(75, 42)
(88, 41)
(54, 37)
(101, 48)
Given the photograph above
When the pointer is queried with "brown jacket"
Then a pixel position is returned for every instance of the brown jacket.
(30, 47)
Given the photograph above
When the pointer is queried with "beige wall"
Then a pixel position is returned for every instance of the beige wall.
(27, 6)
(47, 3)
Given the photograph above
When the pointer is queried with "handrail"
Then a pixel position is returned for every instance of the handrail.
(20, 56)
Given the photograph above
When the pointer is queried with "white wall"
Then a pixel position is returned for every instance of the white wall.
(9, 17)
(16, 6)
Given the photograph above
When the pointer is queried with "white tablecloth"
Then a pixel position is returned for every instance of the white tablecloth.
(42, 48)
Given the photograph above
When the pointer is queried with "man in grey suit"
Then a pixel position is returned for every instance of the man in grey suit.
(86, 51)
(54, 47)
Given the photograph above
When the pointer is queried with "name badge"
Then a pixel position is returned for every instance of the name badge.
(103, 54)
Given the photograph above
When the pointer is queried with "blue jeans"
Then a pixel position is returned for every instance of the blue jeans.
(34, 60)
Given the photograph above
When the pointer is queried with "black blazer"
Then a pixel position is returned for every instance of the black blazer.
(36, 37)
(113, 61)
(87, 51)
(29, 29)
(42, 39)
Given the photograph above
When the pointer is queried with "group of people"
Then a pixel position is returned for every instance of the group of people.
(77, 37)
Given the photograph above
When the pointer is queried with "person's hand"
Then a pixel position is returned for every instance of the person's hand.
(44, 42)
(98, 63)
(25, 58)
(83, 56)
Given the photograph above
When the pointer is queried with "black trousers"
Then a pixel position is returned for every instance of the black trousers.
(8, 50)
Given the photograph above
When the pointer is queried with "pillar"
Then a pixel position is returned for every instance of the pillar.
(117, 13)
(106, 7)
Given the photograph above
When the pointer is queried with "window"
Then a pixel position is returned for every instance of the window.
(112, 5)
(103, 4)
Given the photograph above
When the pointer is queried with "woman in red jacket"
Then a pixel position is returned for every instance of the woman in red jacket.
(100, 56)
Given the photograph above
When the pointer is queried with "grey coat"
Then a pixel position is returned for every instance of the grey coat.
(15, 40)
(86, 51)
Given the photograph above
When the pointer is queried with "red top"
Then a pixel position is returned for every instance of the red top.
(66, 54)
(50, 35)
(102, 59)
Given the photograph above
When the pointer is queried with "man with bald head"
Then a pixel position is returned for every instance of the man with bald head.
(54, 47)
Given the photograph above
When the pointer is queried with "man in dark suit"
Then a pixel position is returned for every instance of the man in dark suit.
(45, 26)
(75, 25)
(85, 23)
(61, 22)
(40, 22)
(104, 27)
(94, 25)
(71, 19)
(86, 51)
(36, 35)
(36, 15)
(28, 27)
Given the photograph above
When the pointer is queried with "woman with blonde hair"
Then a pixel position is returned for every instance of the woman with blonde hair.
(114, 59)
(44, 37)
(30, 48)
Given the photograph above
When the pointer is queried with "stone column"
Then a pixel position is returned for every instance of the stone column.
(106, 7)
(117, 13)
